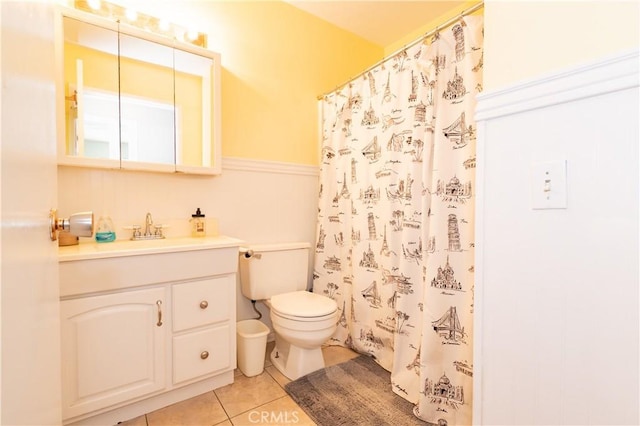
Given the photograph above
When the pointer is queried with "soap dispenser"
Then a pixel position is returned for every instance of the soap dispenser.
(198, 224)
(105, 232)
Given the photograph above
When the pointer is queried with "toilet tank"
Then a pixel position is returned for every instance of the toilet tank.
(273, 269)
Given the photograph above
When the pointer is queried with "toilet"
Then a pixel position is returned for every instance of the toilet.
(302, 321)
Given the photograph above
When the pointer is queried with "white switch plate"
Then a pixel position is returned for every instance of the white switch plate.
(549, 185)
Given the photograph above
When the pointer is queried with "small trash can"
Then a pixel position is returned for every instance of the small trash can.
(252, 346)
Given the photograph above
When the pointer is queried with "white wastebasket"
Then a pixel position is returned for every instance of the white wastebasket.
(252, 345)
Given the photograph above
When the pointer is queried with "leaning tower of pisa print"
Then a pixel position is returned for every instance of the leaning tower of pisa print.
(454, 234)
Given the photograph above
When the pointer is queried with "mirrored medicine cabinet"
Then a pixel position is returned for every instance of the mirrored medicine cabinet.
(135, 100)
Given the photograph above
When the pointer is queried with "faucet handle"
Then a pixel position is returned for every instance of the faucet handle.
(136, 231)
(148, 234)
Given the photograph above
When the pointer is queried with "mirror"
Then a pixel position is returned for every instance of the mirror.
(147, 110)
(137, 101)
(193, 78)
(91, 79)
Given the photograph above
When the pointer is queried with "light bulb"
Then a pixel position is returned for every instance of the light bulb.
(164, 25)
(131, 14)
(94, 4)
(192, 34)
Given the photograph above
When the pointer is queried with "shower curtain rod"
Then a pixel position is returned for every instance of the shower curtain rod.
(413, 43)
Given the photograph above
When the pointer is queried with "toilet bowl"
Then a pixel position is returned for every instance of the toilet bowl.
(302, 320)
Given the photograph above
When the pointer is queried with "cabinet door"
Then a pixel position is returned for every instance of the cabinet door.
(113, 349)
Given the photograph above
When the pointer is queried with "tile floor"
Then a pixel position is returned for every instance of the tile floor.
(248, 401)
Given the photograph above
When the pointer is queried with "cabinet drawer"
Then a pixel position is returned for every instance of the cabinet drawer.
(113, 273)
(203, 302)
(201, 353)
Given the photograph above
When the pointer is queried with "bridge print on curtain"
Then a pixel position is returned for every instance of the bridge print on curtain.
(396, 217)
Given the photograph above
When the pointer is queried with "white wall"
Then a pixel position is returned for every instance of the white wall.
(256, 201)
(557, 297)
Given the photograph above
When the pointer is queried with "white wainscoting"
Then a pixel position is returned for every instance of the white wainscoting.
(256, 201)
(556, 294)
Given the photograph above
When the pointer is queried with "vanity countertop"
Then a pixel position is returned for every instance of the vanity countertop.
(119, 248)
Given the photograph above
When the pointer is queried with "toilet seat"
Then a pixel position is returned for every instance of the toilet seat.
(303, 306)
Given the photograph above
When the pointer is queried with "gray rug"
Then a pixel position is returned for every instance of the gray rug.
(356, 392)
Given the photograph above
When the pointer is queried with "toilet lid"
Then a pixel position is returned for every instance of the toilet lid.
(303, 304)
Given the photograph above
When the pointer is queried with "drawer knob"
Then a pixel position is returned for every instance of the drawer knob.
(204, 354)
(204, 304)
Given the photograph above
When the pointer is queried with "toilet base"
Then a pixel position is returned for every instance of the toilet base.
(295, 362)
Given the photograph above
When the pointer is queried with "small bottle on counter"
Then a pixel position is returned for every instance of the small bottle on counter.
(105, 232)
(198, 224)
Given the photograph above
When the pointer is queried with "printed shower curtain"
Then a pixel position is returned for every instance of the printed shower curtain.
(396, 217)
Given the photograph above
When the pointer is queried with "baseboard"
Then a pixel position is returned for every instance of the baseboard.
(144, 406)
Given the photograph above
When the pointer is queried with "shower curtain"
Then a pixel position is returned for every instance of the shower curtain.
(395, 232)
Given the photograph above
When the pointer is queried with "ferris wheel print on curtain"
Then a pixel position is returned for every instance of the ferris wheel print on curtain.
(395, 222)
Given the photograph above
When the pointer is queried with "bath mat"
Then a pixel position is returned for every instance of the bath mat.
(356, 392)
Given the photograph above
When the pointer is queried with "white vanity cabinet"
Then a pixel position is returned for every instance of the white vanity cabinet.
(145, 325)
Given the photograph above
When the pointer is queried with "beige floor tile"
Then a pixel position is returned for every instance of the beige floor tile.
(138, 421)
(282, 411)
(201, 410)
(247, 401)
(337, 354)
(246, 393)
(277, 375)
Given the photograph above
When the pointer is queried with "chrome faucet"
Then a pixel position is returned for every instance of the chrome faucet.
(151, 231)
(148, 224)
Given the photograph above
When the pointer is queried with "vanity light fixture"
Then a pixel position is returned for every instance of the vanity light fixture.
(142, 21)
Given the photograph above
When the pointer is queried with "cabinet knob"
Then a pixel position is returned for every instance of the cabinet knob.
(204, 304)
(204, 354)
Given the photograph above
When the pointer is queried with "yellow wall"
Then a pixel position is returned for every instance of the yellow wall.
(283, 59)
(524, 39)
(456, 8)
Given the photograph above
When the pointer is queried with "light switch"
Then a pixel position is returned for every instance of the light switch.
(549, 185)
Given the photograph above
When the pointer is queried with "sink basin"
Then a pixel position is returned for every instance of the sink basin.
(118, 248)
